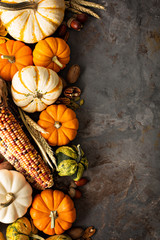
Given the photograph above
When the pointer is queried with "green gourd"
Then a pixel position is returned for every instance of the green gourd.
(59, 237)
(71, 161)
(22, 229)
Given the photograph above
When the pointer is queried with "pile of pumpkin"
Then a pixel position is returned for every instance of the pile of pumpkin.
(36, 86)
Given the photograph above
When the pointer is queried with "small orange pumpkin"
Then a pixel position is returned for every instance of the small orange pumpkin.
(14, 55)
(60, 124)
(52, 212)
(53, 53)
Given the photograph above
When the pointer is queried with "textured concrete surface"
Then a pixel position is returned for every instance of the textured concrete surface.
(120, 121)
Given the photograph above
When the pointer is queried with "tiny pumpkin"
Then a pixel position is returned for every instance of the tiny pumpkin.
(33, 88)
(71, 161)
(15, 195)
(52, 212)
(2, 236)
(60, 124)
(22, 229)
(14, 55)
(53, 53)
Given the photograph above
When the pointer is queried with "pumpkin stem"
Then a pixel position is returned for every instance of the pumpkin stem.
(79, 153)
(36, 236)
(18, 6)
(39, 95)
(57, 124)
(9, 199)
(11, 59)
(55, 59)
(53, 215)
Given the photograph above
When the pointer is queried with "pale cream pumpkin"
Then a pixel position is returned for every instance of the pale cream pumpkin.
(33, 88)
(15, 195)
(34, 20)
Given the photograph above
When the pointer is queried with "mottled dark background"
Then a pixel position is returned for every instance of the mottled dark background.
(120, 121)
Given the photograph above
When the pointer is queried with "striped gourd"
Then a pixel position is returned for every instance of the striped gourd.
(71, 161)
(17, 149)
(31, 21)
(33, 88)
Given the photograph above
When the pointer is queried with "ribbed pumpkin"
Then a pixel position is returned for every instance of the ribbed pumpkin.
(15, 195)
(14, 55)
(33, 88)
(53, 53)
(53, 212)
(31, 21)
(60, 124)
(22, 229)
(71, 161)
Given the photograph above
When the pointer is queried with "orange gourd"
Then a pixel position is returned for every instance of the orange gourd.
(14, 55)
(53, 212)
(53, 53)
(60, 124)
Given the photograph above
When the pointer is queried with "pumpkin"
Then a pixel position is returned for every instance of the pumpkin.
(15, 195)
(33, 88)
(53, 53)
(71, 161)
(31, 21)
(59, 237)
(52, 212)
(14, 55)
(2, 236)
(22, 229)
(60, 124)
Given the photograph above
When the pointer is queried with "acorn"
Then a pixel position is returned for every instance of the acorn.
(74, 24)
(82, 17)
(62, 29)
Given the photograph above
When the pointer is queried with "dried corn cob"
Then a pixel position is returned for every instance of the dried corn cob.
(17, 149)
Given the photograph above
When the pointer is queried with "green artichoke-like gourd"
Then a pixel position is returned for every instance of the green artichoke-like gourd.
(71, 161)
(22, 229)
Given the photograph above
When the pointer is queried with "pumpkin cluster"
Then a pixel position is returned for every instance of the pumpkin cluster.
(35, 87)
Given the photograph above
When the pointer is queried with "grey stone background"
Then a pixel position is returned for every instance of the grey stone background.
(120, 121)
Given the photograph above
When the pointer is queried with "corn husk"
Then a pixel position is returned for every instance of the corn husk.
(45, 149)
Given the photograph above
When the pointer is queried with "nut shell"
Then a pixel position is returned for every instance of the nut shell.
(73, 73)
(75, 232)
(72, 92)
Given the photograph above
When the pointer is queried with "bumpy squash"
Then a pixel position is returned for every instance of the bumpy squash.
(59, 237)
(71, 161)
(60, 124)
(52, 212)
(31, 21)
(14, 55)
(33, 88)
(22, 229)
(53, 53)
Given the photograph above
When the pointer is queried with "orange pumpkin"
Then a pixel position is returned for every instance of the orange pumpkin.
(53, 212)
(14, 55)
(53, 53)
(60, 124)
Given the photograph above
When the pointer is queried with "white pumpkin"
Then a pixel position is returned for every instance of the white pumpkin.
(15, 195)
(34, 88)
(32, 25)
